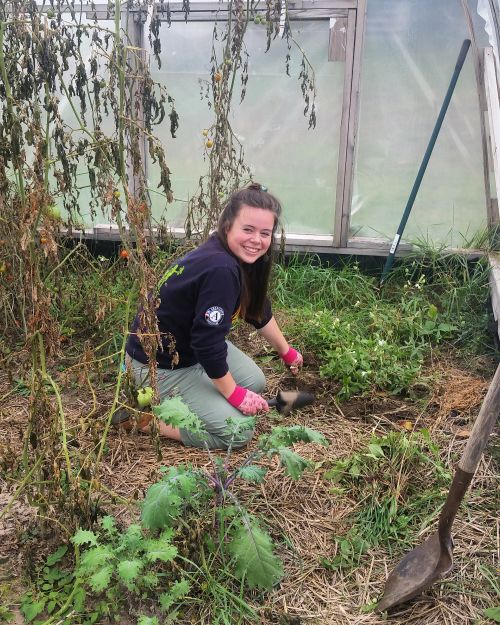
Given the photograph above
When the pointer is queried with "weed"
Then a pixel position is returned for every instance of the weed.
(114, 566)
(493, 614)
(321, 287)
(53, 594)
(240, 536)
(369, 339)
(388, 481)
(459, 289)
(6, 615)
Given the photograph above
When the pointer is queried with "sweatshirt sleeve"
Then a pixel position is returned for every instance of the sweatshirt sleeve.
(217, 298)
(266, 318)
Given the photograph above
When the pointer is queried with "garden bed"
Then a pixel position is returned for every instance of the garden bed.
(307, 518)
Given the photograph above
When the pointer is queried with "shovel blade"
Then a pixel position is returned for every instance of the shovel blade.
(418, 570)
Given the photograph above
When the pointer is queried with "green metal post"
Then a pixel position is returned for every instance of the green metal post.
(409, 205)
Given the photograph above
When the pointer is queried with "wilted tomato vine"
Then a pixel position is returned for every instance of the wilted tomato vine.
(76, 126)
(68, 111)
(227, 169)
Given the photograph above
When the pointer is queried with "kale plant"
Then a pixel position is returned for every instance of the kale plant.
(237, 535)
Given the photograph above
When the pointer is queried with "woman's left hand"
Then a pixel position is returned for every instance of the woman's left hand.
(293, 360)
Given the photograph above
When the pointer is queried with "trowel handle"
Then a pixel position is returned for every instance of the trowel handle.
(485, 422)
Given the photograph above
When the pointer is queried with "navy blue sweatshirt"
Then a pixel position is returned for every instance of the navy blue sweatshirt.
(196, 309)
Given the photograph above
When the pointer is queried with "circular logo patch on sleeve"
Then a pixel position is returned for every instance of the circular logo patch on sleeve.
(214, 315)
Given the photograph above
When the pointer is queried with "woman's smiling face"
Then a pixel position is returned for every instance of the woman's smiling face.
(250, 235)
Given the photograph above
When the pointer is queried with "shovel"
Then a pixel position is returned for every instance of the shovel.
(432, 560)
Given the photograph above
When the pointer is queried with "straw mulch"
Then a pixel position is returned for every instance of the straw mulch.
(304, 516)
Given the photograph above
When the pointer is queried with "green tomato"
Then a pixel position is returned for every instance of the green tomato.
(145, 396)
(54, 212)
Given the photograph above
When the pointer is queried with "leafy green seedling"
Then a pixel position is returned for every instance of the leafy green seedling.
(390, 477)
(173, 411)
(6, 615)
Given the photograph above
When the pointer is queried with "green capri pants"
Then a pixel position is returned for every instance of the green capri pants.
(204, 400)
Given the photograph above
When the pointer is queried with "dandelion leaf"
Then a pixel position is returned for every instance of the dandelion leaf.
(57, 555)
(375, 451)
(252, 550)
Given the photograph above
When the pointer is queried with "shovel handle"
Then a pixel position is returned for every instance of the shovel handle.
(485, 422)
(467, 466)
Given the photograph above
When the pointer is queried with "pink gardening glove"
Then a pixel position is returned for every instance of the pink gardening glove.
(292, 359)
(247, 402)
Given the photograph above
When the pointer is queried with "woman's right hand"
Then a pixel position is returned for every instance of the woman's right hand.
(247, 402)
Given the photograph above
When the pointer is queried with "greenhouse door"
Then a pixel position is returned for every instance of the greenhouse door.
(348, 123)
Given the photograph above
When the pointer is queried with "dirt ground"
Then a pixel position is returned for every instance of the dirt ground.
(306, 511)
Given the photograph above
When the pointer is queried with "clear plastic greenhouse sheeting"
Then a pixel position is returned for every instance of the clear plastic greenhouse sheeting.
(297, 164)
(485, 9)
(411, 48)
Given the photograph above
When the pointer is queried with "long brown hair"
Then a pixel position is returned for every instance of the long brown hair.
(255, 275)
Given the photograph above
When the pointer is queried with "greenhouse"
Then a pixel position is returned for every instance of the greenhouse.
(250, 304)
(380, 75)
